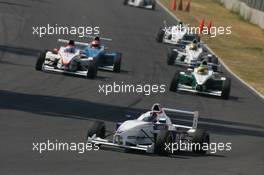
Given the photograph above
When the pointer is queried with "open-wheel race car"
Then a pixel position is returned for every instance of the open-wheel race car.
(79, 58)
(191, 55)
(201, 80)
(67, 59)
(148, 4)
(151, 132)
(175, 34)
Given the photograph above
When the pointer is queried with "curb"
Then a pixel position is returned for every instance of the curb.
(221, 61)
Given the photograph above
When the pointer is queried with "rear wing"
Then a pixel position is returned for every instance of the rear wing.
(101, 38)
(76, 42)
(195, 115)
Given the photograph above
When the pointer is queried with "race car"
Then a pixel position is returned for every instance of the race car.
(191, 55)
(148, 4)
(67, 59)
(175, 34)
(105, 60)
(201, 80)
(151, 132)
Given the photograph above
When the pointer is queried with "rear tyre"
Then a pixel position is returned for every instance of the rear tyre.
(117, 63)
(160, 35)
(125, 2)
(175, 82)
(215, 62)
(164, 138)
(92, 70)
(98, 128)
(172, 55)
(40, 60)
(226, 88)
(199, 138)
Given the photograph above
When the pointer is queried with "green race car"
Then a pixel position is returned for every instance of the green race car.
(201, 82)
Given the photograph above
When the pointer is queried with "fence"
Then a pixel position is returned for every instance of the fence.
(256, 4)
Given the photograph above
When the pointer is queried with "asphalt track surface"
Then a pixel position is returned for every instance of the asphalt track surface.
(36, 106)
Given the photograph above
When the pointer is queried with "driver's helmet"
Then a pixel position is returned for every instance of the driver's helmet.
(71, 43)
(203, 68)
(70, 48)
(194, 45)
(180, 23)
(96, 43)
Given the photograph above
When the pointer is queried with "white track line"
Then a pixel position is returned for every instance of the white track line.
(221, 61)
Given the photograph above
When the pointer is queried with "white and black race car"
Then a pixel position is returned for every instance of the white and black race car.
(175, 34)
(151, 132)
(191, 55)
(148, 4)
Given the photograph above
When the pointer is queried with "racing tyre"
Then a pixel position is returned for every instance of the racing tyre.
(199, 138)
(164, 138)
(92, 70)
(215, 62)
(153, 5)
(98, 128)
(172, 55)
(40, 60)
(160, 35)
(226, 88)
(175, 82)
(117, 63)
(125, 2)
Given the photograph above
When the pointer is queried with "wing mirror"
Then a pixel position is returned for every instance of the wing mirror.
(190, 70)
(128, 116)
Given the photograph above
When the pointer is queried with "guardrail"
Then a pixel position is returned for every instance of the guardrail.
(256, 4)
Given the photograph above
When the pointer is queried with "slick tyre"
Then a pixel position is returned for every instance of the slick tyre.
(164, 138)
(153, 5)
(199, 138)
(98, 128)
(160, 35)
(92, 70)
(40, 60)
(117, 63)
(172, 55)
(226, 88)
(175, 82)
(215, 63)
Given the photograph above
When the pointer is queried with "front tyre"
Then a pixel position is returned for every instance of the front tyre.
(160, 35)
(125, 2)
(98, 128)
(175, 82)
(171, 57)
(226, 88)
(92, 70)
(153, 5)
(40, 60)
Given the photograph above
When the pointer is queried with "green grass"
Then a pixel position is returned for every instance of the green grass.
(242, 51)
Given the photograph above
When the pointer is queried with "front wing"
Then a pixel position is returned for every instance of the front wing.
(97, 140)
(52, 69)
(190, 89)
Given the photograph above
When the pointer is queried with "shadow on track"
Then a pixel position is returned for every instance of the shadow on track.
(19, 50)
(80, 109)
